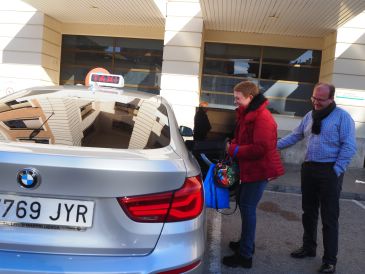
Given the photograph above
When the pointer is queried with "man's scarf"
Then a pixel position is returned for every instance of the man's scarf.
(319, 115)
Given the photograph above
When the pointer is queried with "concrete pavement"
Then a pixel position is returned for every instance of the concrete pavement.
(279, 231)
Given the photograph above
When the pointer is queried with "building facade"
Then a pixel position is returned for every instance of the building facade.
(191, 50)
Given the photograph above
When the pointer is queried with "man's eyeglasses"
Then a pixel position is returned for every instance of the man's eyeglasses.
(319, 99)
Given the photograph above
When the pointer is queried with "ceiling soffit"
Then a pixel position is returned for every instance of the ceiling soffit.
(303, 18)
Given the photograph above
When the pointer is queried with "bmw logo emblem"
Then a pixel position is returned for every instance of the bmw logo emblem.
(28, 178)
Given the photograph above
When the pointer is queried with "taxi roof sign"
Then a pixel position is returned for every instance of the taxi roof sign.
(106, 80)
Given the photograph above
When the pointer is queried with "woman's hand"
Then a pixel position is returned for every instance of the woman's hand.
(227, 146)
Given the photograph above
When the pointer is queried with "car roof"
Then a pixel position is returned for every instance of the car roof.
(38, 91)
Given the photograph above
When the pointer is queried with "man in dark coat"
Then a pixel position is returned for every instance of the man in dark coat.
(201, 123)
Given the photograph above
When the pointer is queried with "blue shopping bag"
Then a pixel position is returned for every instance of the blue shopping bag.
(215, 196)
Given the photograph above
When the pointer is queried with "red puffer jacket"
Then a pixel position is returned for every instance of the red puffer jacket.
(256, 136)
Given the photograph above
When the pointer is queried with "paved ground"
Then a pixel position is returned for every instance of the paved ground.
(279, 229)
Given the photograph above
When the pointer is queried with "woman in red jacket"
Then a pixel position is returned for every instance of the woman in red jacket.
(254, 146)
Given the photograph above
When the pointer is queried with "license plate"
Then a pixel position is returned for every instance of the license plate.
(45, 211)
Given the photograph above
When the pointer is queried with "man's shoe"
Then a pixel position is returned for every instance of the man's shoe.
(302, 253)
(237, 260)
(235, 246)
(327, 268)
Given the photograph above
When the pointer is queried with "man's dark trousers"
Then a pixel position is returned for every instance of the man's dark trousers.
(321, 188)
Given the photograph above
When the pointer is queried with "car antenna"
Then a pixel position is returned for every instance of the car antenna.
(36, 131)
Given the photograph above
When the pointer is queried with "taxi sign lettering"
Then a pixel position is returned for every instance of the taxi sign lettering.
(108, 80)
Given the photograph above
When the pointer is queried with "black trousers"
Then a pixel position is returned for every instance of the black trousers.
(321, 189)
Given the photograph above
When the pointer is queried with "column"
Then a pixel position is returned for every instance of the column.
(30, 47)
(180, 79)
(343, 64)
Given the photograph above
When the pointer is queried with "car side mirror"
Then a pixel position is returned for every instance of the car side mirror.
(186, 131)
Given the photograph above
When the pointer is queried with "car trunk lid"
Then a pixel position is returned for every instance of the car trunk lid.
(93, 182)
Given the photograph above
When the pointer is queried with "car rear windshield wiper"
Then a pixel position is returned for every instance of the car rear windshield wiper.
(36, 131)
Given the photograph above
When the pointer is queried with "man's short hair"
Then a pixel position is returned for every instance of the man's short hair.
(331, 88)
(247, 88)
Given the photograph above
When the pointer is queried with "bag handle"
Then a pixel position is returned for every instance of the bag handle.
(236, 200)
(229, 158)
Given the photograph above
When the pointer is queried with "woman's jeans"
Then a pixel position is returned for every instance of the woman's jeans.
(250, 195)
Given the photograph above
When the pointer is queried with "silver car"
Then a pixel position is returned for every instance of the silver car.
(97, 181)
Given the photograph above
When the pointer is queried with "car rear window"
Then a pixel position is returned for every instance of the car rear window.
(128, 123)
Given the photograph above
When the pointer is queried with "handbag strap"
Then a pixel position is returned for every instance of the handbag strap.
(235, 151)
(238, 191)
(229, 159)
(228, 213)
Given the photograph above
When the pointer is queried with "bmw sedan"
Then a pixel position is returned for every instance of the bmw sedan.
(96, 181)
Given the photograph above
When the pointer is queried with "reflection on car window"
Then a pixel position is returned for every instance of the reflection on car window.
(128, 123)
(23, 124)
(136, 125)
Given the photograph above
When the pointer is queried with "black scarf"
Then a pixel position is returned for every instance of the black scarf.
(319, 115)
(256, 102)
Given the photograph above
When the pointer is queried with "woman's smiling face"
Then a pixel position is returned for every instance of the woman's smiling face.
(241, 100)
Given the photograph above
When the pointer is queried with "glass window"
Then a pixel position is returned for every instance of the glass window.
(221, 84)
(216, 99)
(91, 59)
(287, 98)
(86, 110)
(285, 75)
(72, 75)
(290, 73)
(18, 104)
(23, 124)
(227, 51)
(138, 60)
(123, 122)
(291, 56)
(34, 140)
(236, 67)
(87, 43)
(128, 126)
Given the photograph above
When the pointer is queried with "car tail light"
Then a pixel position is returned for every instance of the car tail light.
(183, 204)
(188, 201)
(181, 269)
